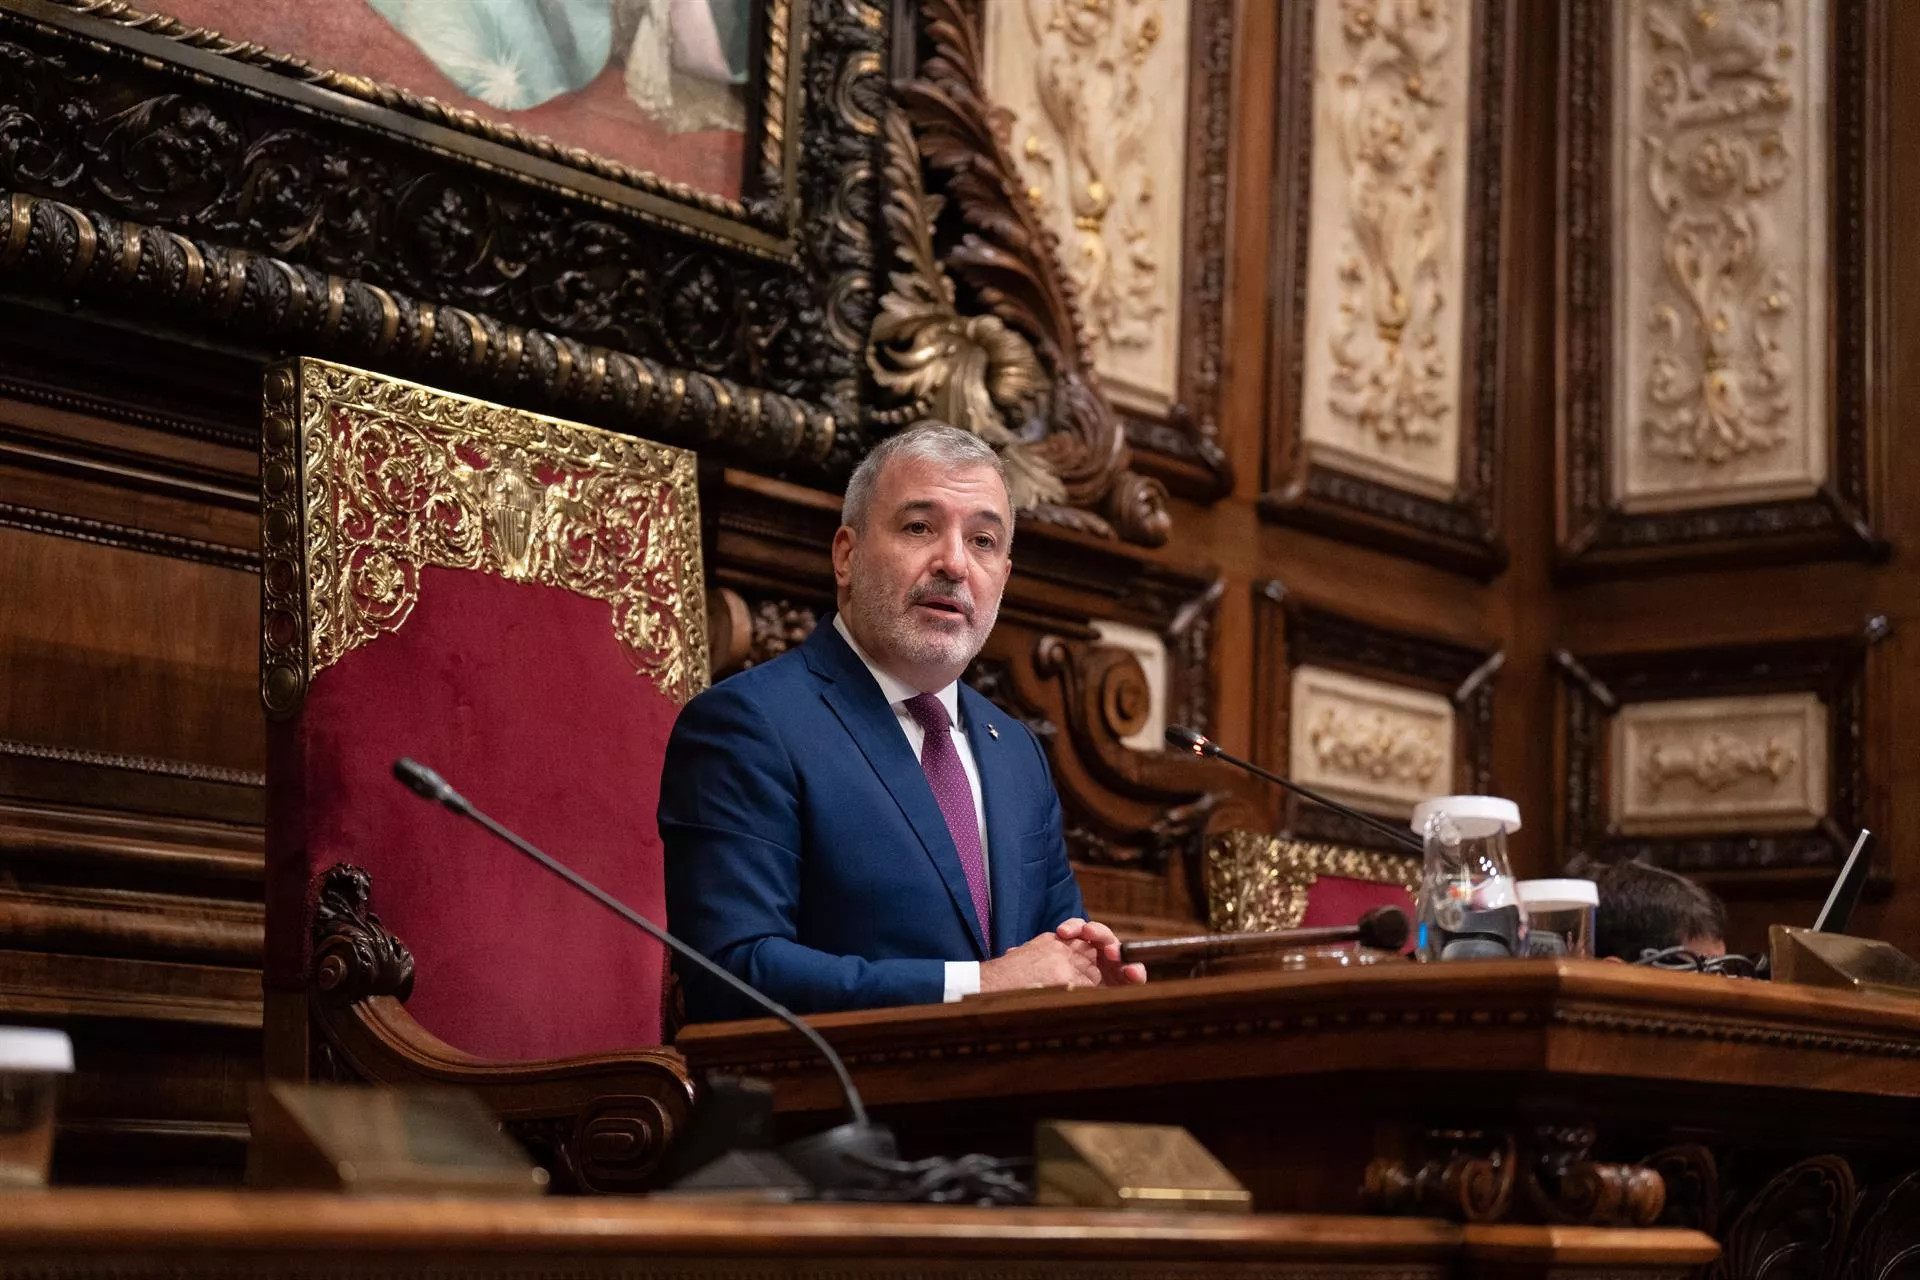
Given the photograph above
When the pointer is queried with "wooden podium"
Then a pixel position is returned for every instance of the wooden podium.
(1500, 1091)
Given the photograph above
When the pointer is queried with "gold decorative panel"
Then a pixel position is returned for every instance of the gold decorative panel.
(1378, 746)
(1257, 882)
(1098, 101)
(366, 480)
(1387, 256)
(1720, 155)
(1709, 765)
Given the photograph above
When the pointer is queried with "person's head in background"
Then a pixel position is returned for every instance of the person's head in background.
(1646, 908)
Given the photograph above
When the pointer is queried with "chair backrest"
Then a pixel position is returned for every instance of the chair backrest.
(1259, 882)
(517, 603)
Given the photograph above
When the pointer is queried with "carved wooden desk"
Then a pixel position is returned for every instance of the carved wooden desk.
(1471, 1090)
(76, 1235)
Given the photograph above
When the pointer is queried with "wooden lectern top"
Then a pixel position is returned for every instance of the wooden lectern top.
(1563, 1018)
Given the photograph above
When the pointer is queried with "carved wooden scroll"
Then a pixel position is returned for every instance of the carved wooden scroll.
(1005, 256)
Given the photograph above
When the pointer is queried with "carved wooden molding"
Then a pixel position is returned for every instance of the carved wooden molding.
(598, 1122)
(354, 955)
(475, 262)
(1007, 258)
(1425, 371)
(1543, 1174)
(125, 263)
(1291, 635)
(1803, 1218)
(1724, 732)
(769, 209)
(1717, 411)
(1177, 441)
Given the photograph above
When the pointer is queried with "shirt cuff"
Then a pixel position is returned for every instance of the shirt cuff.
(963, 979)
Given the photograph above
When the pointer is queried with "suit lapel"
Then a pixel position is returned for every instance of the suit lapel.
(999, 784)
(854, 697)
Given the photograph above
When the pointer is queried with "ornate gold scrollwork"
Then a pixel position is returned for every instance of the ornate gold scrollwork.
(367, 480)
(1258, 882)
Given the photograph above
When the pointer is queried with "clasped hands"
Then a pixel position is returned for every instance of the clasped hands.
(1080, 953)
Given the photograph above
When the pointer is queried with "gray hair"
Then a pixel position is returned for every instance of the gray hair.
(922, 442)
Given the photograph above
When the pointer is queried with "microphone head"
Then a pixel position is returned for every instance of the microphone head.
(1385, 928)
(1184, 739)
(427, 784)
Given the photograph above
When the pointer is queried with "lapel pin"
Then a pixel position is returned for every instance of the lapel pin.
(993, 733)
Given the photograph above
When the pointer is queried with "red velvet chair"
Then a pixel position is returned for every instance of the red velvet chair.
(1258, 882)
(517, 603)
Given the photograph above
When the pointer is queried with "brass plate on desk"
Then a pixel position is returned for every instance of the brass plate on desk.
(1159, 1167)
(1838, 960)
(376, 1141)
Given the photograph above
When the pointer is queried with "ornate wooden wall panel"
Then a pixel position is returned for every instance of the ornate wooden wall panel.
(130, 739)
(1390, 163)
(1377, 717)
(1730, 759)
(1722, 253)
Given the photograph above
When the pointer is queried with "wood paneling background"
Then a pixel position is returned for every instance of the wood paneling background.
(130, 734)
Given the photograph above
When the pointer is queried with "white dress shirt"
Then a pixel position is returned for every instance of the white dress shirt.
(962, 976)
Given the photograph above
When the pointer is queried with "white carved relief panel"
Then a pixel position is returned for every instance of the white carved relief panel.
(1387, 244)
(1378, 746)
(1707, 765)
(1097, 94)
(1720, 152)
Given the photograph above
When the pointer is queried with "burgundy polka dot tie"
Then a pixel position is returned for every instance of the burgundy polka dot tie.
(940, 760)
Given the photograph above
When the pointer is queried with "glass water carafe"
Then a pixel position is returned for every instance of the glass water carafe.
(1468, 907)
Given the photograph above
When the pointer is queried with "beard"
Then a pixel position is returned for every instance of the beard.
(892, 621)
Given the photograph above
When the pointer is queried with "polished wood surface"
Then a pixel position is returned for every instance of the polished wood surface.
(1301, 1083)
(1560, 1018)
(140, 1233)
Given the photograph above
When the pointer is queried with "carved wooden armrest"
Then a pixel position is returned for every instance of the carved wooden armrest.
(598, 1122)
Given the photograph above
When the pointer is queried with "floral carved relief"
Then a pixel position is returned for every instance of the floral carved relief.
(1694, 765)
(1378, 745)
(1723, 255)
(1387, 254)
(1095, 104)
(1717, 762)
(1370, 745)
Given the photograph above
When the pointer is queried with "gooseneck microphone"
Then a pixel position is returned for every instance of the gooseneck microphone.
(1185, 739)
(847, 1155)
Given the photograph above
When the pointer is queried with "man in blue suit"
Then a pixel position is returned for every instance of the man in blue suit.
(848, 826)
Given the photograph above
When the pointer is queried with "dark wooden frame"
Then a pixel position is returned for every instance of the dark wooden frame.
(1463, 533)
(1841, 670)
(1289, 632)
(763, 219)
(1184, 451)
(1594, 536)
(170, 180)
